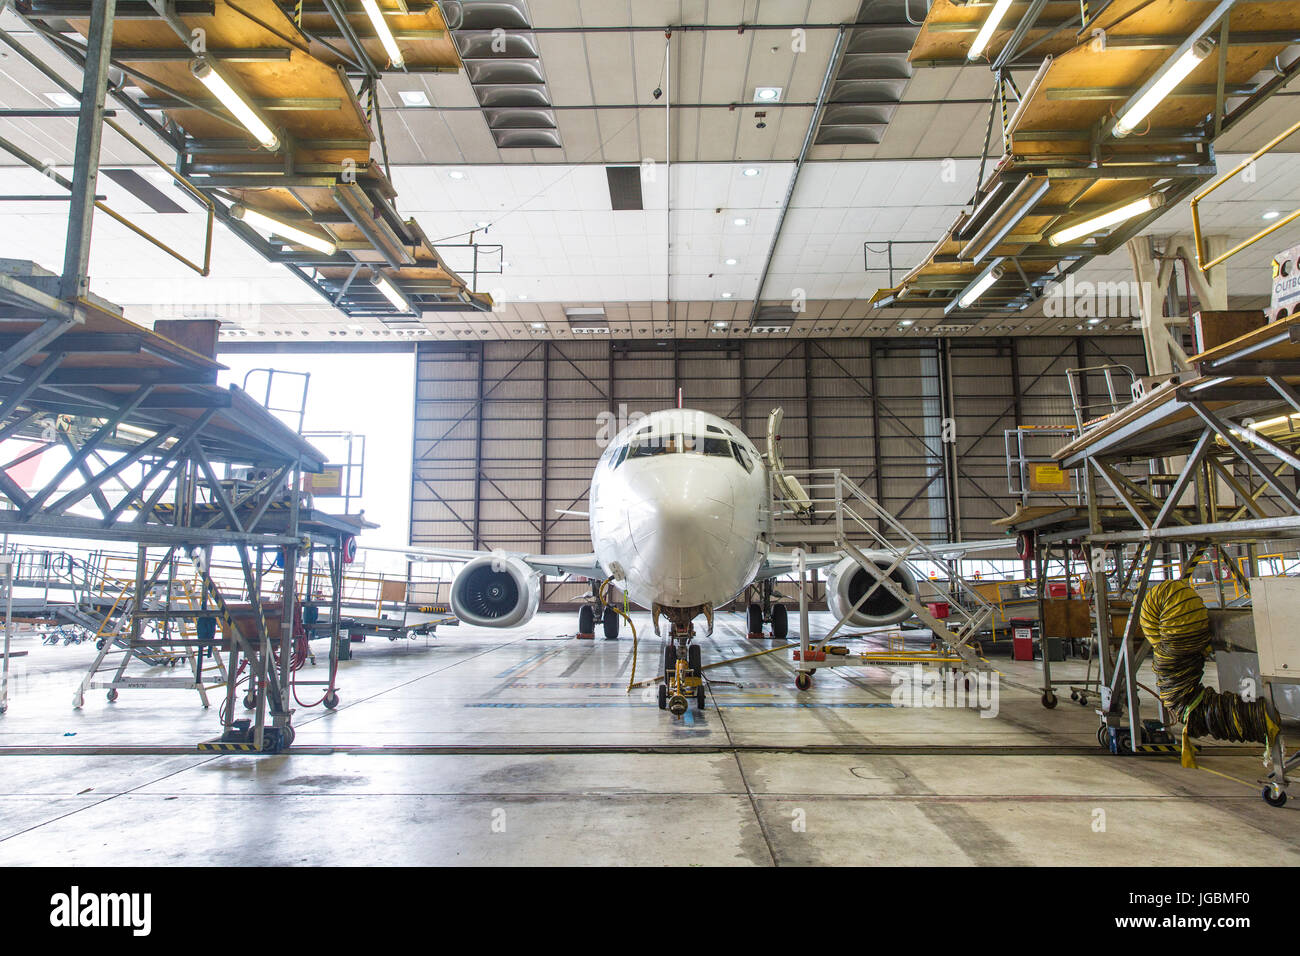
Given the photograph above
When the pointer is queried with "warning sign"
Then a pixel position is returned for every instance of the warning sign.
(1048, 478)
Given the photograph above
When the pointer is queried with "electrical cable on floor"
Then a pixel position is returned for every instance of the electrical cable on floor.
(1177, 625)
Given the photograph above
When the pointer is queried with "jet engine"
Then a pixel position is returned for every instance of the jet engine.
(848, 581)
(494, 591)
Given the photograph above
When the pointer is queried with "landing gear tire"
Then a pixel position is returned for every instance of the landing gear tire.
(699, 698)
(331, 700)
(611, 625)
(1049, 700)
(670, 660)
(755, 615)
(1274, 797)
(693, 659)
(586, 620)
(803, 680)
(663, 696)
(780, 622)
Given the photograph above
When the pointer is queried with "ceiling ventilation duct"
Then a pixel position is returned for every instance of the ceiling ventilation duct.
(872, 76)
(499, 49)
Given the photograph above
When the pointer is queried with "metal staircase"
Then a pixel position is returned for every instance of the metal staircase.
(843, 515)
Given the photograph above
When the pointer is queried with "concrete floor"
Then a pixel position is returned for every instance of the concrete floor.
(728, 787)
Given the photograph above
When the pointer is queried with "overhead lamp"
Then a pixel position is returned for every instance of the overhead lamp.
(456, 174)
(539, 325)
(767, 94)
(1161, 85)
(732, 262)
(986, 32)
(981, 284)
(740, 222)
(413, 97)
(1271, 214)
(751, 171)
(726, 295)
(381, 30)
(205, 71)
(719, 325)
(905, 322)
(260, 220)
(392, 293)
(1107, 219)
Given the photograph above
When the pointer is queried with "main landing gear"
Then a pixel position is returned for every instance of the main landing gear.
(597, 612)
(770, 612)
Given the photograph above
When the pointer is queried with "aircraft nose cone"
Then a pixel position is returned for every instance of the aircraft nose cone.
(680, 517)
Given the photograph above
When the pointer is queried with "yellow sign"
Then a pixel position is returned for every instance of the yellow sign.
(1048, 478)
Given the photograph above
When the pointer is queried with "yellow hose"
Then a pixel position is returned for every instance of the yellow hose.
(1177, 625)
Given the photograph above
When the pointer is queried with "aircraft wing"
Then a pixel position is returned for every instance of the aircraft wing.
(784, 562)
(582, 565)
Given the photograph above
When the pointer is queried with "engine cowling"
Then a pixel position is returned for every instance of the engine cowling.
(848, 581)
(494, 591)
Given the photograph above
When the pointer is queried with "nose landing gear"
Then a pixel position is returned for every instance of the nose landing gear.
(683, 673)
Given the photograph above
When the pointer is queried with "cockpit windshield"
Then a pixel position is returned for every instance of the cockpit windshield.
(648, 444)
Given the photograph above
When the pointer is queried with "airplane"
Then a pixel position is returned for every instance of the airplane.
(679, 518)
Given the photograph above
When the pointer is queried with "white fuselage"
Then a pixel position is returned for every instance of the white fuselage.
(678, 505)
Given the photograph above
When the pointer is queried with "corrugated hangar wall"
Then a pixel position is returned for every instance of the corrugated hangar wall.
(507, 433)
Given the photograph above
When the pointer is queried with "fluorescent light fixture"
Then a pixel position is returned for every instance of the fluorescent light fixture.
(1161, 85)
(301, 237)
(767, 94)
(982, 38)
(1271, 214)
(63, 100)
(905, 322)
(413, 97)
(539, 325)
(726, 295)
(206, 73)
(731, 262)
(392, 293)
(1094, 321)
(1107, 219)
(750, 171)
(741, 221)
(482, 224)
(456, 174)
(977, 288)
(381, 30)
(719, 325)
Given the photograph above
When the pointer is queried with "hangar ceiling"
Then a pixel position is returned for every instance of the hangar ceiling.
(548, 209)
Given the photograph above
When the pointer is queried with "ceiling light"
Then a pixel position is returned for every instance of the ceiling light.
(205, 71)
(978, 287)
(392, 293)
(719, 325)
(1094, 321)
(481, 224)
(284, 230)
(413, 97)
(726, 295)
(381, 30)
(1271, 214)
(523, 295)
(750, 171)
(986, 32)
(1107, 219)
(769, 94)
(1161, 85)
(731, 262)
(357, 328)
(64, 100)
(539, 325)
(740, 222)
(456, 174)
(905, 322)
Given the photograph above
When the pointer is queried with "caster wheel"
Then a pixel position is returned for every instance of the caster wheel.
(331, 700)
(663, 697)
(780, 622)
(99, 645)
(611, 625)
(693, 658)
(803, 681)
(112, 695)
(1074, 695)
(250, 702)
(586, 620)
(1124, 741)
(1049, 700)
(1103, 737)
(289, 734)
(1083, 700)
(1273, 799)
